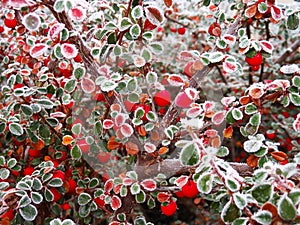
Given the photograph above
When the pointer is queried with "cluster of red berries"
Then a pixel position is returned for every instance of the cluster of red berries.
(180, 30)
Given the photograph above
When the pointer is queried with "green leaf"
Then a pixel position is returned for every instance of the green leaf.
(151, 77)
(140, 197)
(295, 99)
(237, 114)
(23, 186)
(2, 127)
(132, 85)
(84, 198)
(125, 24)
(24, 201)
(4, 173)
(262, 193)
(76, 128)
(230, 212)
(146, 54)
(76, 152)
(140, 221)
(215, 57)
(293, 21)
(252, 145)
(70, 85)
(55, 182)
(48, 195)
(232, 184)
(37, 184)
(262, 7)
(117, 50)
(206, 2)
(29, 212)
(255, 120)
(135, 31)
(47, 104)
(11, 163)
(94, 182)
(296, 81)
(240, 221)
(36, 197)
(151, 203)
(286, 208)
(44, 131)
(223, 151)
(204, 183)
(240, 200)
(84, 211)
(156, 48)
(295, 196)
(16, 129)
(137, 12)
(135, 188)
(59, 6)
(190, 155)
(26, 109)
(263, 217)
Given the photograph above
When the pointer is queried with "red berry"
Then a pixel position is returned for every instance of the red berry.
(10, 23)
(103, 157)
(179, 194)
(182, 100)
(190, 189)
(100, 202)
(28, 170)
(66, 206)
(8, 214)
(254, 61)
(34, 153)
(169, 209)
(72, 186)
(160, 29)
(84, 146)
(162, 98)
(56, 194)
(173, 29)
(255, 68)
(1, 29)
(59, 174)
(181, 30)
(270, 134)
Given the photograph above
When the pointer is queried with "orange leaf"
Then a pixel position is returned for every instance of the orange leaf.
(271, 208)
(163, 196)
(279, 156)
(115, 107)
(250, 12)
(67, 139)
(228, 132)
(168, 3)
(131, 148)
(252, 161)
(142, 131)
(244, 100)
(163, 150)
(39, 145)
(112, 144)
(215, 142)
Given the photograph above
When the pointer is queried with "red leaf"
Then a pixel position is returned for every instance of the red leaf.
(38, 50)
(69, 50)
(115, 202)
(181, 181)
(120, 119)
(149, 184)
(296, 123)
(219, 117)
(154, 15)
(168, 3)
(126, 130)
(107, 124)
(109, 184)
(127, 181)
(87, 85)
(175, 80)
(55, 30)
(276, 13)
(250, 12)
(163, 196)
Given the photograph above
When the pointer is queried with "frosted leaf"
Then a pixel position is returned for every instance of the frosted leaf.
(77, 14)
(69, 51)
(289, 69)
(38, 50)
(149, 147)
(31, 21)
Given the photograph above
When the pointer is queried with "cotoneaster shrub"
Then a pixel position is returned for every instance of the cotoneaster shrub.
(149, 112)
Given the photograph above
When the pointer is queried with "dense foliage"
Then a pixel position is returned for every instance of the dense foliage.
(149, 112)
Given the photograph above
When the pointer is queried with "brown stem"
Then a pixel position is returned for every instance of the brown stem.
(166, 14)
(288, 51)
